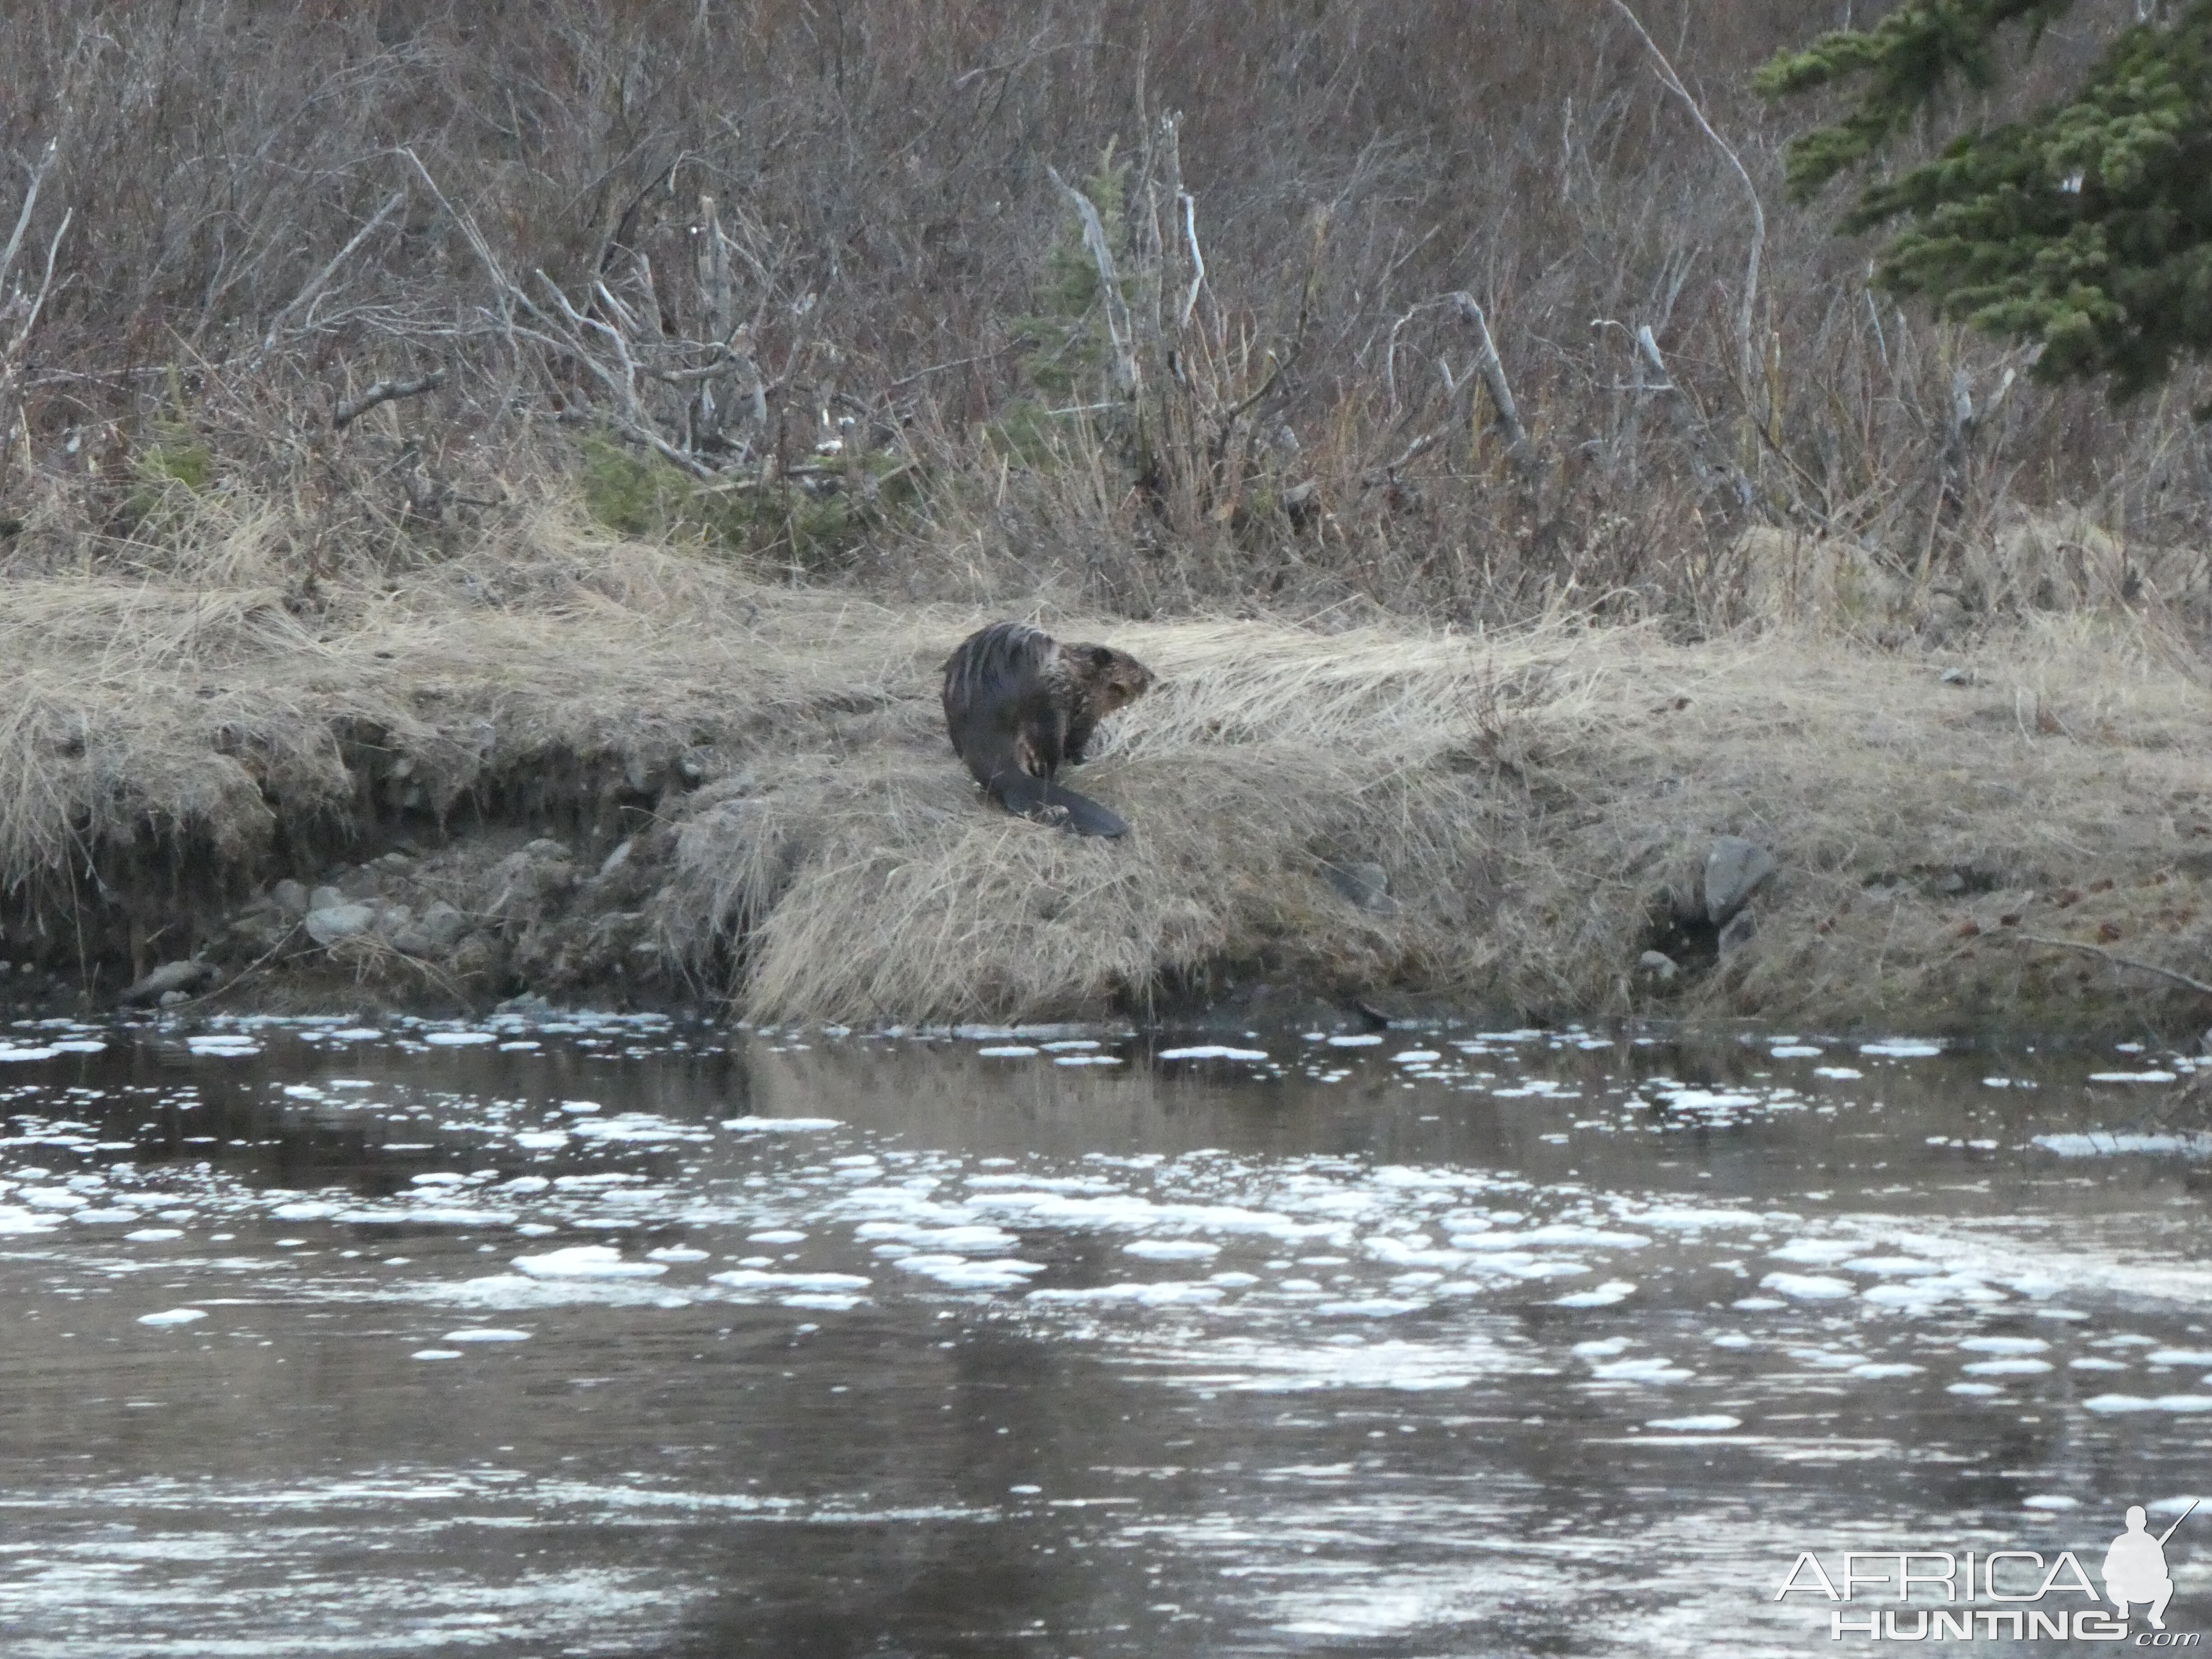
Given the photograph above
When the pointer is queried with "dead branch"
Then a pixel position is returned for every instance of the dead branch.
(2116, 960)
(384, 391)
(46, 160)
(1127, 378)
(1493, 371)
(1747, 360)
(307, 295)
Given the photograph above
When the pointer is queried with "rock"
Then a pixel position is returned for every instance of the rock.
(326, 897)
(437, 931)
(1659, 965)
(546, 848)
(392, 918)
(184, 977)
(1734, 870)
(529, 1005)
(1367, 885)
(397, 864)
(1738, 933)
(328, 923)
(443, 925)
(291, 897)
(616, 858)
(175, 999)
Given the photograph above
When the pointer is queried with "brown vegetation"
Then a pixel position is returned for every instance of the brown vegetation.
(1452, 311)
(797, 835)
(602, 417)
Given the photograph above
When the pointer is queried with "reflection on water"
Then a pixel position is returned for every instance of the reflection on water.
(613, 1336)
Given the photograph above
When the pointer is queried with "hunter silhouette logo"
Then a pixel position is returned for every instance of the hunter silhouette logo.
(2000, 1594)
(2135, 1566)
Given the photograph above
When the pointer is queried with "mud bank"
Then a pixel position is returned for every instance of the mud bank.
(622, 775)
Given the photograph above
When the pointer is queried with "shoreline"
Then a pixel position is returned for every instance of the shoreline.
(642, 778)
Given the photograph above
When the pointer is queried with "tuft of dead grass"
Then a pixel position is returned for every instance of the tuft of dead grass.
(1541, 798)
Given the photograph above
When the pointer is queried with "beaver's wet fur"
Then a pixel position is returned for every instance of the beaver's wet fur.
(1020, 705)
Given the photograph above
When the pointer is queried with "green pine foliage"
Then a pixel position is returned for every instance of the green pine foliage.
(1066, 338)
(2084, 229)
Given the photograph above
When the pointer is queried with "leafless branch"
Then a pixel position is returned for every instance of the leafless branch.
(383, 392)
(307, 295)
(1747, 358)
(2116, 960)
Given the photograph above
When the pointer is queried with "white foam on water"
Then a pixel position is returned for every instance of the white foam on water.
(2005, 1367)
(1901, 1048)
(958, 1273)
(1007, 1051)
(2014, 1345)
(1211, 1051)
(1612, 1292)
(486, 1334)
(2101, 1143)
(1805, 1287)
(782, 1125)
(1640, 1370)
(1815, 1252)
(2134, 1076)
(587, 1262)
(459, 1039)
(1361, 1041)
(1710, 1422)
(1171, 1249)
(2177, 1357)
(1159, 1293)
(172, 1316)
(754, 1279)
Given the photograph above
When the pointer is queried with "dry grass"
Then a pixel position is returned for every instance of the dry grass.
(1541, 798)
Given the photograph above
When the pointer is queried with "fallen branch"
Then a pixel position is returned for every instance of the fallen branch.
(383, 392)
(307, 295)
(2117, 961)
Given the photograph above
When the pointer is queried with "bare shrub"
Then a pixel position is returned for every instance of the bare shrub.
(1396, 306)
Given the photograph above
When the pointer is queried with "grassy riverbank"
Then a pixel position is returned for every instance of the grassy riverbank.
(795, 835)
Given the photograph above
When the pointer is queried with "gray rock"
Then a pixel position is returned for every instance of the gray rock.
(291, 897)
(1659, 965)
(175, 999)
(185, 977)
(1738, 933)
(397, 864)
(1734, 870)
(392, 919)
(437, 931)
(1367, 885)
(328, 923)
(327, 899)
(443, 925)
(546, 848)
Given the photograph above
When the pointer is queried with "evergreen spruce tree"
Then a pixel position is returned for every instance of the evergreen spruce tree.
(2084, 229)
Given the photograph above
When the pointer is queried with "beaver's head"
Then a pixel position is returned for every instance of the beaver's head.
(1116, 678)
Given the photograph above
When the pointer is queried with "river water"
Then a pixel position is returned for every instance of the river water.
(599, 1335)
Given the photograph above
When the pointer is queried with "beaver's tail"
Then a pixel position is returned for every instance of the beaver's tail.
(1047, 803)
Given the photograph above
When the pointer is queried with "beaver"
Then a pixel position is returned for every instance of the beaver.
(1020, 705)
